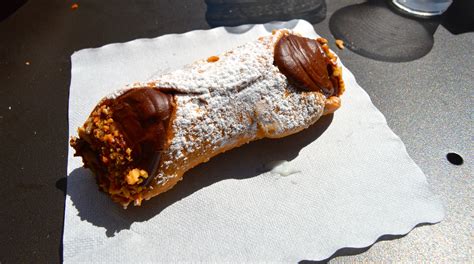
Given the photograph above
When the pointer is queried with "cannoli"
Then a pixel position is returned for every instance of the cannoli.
(141, 140)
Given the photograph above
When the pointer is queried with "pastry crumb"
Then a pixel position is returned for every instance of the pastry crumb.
(213, 59)
(74, 6)
(134, 175)
(322, 41)
(340, 44)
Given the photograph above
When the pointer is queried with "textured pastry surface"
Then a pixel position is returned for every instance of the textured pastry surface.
(223, 102)
(239, 98)
(241, 94)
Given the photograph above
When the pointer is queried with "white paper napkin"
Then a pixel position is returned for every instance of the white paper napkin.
(351, 178)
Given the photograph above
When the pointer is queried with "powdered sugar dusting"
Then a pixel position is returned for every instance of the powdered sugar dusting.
(237, 99)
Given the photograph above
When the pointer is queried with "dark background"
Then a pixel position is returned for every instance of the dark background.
(423, 85)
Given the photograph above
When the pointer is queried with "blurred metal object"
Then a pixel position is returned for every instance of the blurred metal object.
(425, 8)
(238, 12)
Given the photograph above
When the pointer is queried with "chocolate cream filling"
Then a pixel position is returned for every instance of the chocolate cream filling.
(123, 139)
(142, 116)
(308, 64)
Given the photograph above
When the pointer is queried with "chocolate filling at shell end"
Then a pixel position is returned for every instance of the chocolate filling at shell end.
(309, 64)
(122, 141)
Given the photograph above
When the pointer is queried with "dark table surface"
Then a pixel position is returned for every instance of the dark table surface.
(426, 96)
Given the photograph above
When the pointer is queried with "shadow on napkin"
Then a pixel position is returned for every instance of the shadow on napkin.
(241, 163)
(349, 251)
